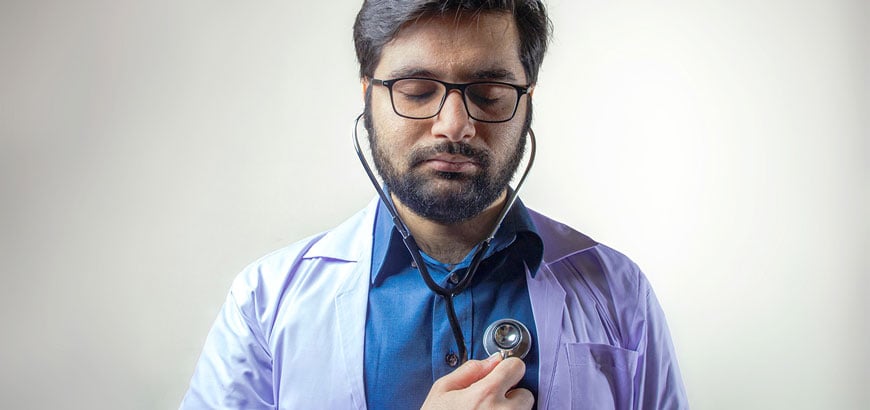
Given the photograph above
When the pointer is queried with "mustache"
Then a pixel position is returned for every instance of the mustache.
(419, 155)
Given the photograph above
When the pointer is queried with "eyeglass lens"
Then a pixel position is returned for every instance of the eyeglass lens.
(418, 98)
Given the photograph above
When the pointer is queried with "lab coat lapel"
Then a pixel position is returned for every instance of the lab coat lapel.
(350, 305)
(548, 299)
(352, 242)
(548, 308)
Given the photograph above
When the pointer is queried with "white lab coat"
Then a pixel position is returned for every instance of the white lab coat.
(291, 333)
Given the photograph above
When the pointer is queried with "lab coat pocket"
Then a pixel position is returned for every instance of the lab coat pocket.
(601, 376)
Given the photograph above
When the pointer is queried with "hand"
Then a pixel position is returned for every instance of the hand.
(482, 384)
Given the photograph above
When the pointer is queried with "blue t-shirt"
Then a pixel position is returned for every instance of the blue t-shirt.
(408, 341)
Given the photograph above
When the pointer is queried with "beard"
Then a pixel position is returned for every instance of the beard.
(468, 195)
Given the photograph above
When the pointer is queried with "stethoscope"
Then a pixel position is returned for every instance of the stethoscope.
(507, 337)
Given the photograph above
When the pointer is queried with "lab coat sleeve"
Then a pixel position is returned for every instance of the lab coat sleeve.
(235, 368)
(658, 380)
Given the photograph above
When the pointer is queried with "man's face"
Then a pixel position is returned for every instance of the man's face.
(449, 168)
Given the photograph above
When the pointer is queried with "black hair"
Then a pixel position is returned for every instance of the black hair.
(378, 22)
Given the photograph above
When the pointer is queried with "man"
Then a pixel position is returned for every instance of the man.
(346, 319)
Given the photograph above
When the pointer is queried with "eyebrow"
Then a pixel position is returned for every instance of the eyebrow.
(411, 72)
(497, 74)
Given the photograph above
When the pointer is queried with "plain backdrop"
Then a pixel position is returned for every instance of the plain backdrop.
(149, 150)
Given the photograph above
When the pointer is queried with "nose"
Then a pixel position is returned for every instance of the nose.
(453, 121)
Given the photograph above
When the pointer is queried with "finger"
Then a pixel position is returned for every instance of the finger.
(520, 398)
(505, 376)
(469, 373)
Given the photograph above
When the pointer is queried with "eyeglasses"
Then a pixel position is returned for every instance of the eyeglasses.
(422, 98)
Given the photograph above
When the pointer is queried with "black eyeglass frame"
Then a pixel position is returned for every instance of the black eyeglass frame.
(521, 90)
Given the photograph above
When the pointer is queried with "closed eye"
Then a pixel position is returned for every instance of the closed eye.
(417, 97)
(481, 100)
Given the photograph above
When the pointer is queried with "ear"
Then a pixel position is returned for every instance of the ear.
(532, 90)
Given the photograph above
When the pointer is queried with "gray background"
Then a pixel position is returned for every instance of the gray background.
(149, 150)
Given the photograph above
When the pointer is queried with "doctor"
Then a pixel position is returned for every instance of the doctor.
(345, 319)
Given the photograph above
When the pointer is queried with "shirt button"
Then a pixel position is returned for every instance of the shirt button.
(451, 359)
(413, 264)
(453, 278)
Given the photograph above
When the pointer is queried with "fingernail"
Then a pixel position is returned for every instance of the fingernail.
(494, 358)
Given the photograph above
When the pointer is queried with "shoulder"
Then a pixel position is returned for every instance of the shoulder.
(346, 242)
(594, 277)
(273, 269)
(562, 242)
(306, 265)
(564, 247)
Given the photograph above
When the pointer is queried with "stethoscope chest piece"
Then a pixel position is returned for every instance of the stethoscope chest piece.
(508, 337)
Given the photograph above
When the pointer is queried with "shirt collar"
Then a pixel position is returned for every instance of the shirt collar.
(390, 256)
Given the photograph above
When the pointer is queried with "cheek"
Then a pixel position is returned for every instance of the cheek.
(384, 123)
(380, 102)
(396, 135)
(400, 133)
(504, 141)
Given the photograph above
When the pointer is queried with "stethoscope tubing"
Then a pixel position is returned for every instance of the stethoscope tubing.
(480, 250)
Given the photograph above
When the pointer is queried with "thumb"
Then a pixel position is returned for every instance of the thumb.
(467, 374)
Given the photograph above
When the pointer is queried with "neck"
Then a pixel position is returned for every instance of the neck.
(450, 243)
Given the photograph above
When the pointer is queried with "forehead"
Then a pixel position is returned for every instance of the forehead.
(455, 47)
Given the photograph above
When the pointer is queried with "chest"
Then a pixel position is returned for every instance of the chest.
(409, 342)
